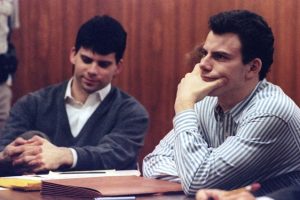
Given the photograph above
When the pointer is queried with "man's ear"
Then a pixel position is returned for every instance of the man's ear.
(119, 67)
(72, 55)
(254, 68)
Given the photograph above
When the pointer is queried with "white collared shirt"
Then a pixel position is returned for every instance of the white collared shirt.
(78, 113)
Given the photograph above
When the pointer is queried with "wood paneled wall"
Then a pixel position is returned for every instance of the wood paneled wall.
(160, 33)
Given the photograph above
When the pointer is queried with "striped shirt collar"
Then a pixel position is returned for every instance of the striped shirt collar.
(237, 110)
(99, 95)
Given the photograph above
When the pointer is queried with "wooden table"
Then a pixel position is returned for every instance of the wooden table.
(18, 195)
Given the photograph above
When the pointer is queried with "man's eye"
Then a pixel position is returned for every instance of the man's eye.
(219, 57)
(86, 60)
(104, 64)
(202, 52)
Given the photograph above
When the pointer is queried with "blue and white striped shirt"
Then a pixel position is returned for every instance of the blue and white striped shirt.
(258, 140)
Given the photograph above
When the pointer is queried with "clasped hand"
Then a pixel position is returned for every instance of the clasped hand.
(32, 156)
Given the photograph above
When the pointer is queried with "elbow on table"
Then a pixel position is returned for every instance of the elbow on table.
(190, 186)
(147, 174)
(189, 191)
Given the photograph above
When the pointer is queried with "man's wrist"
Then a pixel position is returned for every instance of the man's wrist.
(181, 106)
(66, 157)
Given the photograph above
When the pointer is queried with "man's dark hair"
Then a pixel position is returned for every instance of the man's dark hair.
(103, 35)
(256, 36)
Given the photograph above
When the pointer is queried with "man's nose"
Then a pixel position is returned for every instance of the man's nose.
(205, 64)
(93, 68)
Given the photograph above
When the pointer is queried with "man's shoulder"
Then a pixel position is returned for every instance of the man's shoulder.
(122, 96)
(271, 99)
(58, 87)
(47, 93)
(121, 99)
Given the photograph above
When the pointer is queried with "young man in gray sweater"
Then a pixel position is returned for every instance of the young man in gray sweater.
(89, 124)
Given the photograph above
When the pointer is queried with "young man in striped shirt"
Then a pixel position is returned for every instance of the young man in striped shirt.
(232, 127)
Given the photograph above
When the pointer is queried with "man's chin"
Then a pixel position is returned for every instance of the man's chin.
(90, 90)
(214, 93)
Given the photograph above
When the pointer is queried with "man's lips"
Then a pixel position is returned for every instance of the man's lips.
(88, 81)
(208, 79)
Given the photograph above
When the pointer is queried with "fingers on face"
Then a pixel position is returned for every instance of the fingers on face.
(219, 82)
(196, 69)
(223, 81)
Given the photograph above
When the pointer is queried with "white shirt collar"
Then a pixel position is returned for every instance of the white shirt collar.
(101, 94)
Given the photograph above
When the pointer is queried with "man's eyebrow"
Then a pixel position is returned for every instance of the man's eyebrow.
(82, 54)
(104, 61)
(222, 53)
(204, 51)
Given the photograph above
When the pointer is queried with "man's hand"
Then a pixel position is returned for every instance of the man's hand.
(207, 194)
(12, 150)
(40, 155)
(243, 193)
(192, 89)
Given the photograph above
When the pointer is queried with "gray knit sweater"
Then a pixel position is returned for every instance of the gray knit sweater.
(110, 139)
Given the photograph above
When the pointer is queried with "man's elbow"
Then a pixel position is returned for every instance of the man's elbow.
(146, 171)
(188, 190)
(189, 186)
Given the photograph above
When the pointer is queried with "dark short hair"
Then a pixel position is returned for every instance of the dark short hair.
(257, 40)
(103, 35)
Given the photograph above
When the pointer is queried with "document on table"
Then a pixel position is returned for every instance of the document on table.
(33, 182)
(124, 187)
(21, 183)
(86, 174)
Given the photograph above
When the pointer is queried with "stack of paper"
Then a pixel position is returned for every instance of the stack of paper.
(21, 183)
(107, 186)
(92, 173)
(33, 182)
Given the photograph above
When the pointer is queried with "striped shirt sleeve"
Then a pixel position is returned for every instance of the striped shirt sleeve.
(234, 163)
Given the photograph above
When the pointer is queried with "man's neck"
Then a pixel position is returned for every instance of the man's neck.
(77, 93)
(228, 101)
